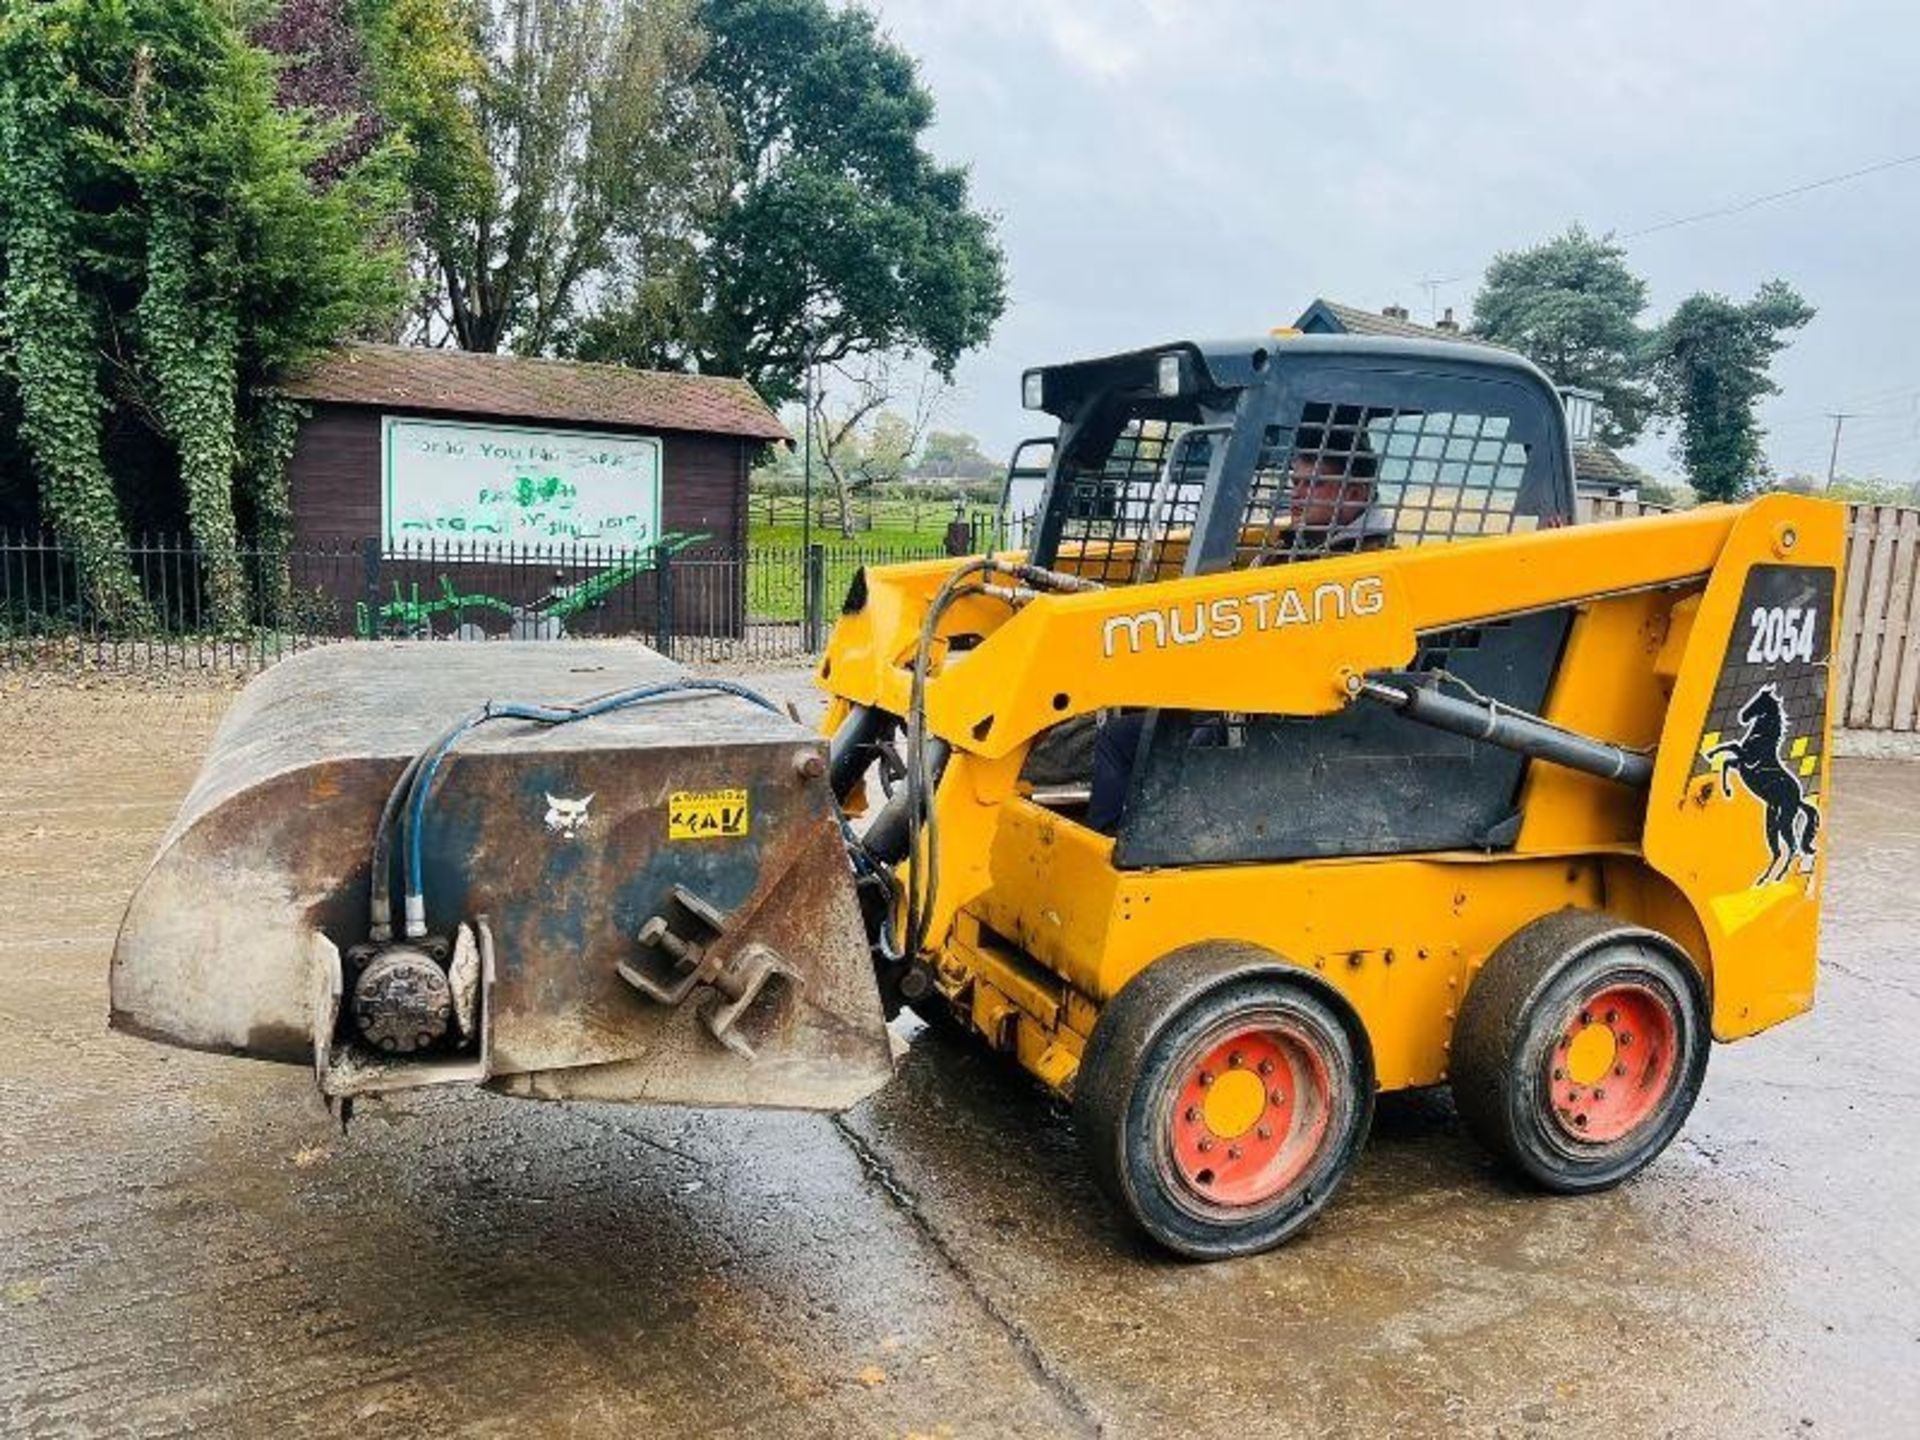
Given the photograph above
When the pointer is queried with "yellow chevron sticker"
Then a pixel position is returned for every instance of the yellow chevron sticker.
(1808, 765)
(1743, 907)
(1797, 749)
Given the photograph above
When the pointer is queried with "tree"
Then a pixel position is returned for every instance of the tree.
(324, 71)
(841, 236)
(1572, 306)
(560, 141)
(857, 439)
(1856, 489)
(953, 455)
(1711, 362)
(164, 247)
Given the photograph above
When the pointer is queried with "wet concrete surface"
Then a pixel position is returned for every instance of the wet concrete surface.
(185, 1243)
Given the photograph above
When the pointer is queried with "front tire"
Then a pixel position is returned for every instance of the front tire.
(1580, 1049)
(1222, 1100)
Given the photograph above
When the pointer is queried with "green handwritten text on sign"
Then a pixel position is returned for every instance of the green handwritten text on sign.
(503, 485)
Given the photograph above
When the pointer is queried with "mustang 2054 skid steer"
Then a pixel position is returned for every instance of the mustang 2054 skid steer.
(1310, 750)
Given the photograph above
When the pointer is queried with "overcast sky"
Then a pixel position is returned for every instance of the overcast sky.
(1167, 169)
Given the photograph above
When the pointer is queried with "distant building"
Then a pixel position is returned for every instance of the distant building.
(1597, 471)
(1329, 317)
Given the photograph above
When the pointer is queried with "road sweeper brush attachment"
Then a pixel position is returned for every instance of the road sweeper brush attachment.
(560, 871)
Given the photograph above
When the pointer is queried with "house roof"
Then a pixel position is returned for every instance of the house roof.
(461, 382)
(1595, 464)
(1352, 320)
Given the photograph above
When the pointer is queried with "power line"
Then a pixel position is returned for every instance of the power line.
(1876, 399)
(1759, 200)
(1726, 210)
(1863, 417)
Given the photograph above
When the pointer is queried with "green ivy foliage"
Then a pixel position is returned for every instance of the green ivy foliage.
(48, 326)
(272, 429)
(192, 352)
(1712, 366)
(164, 248)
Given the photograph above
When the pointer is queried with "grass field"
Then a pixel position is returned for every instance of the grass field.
(881, 537)
(777, 520)
(776, 567)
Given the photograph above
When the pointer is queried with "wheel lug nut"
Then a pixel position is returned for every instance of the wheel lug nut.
(1274, 1097)
(1206, 1144)
(1620, 1070)
(1558, 1073)
(1193, 1114)
(1265, 1132)
(1612, 1015)
(1586, 1017)
(1626, 1039)
(1266, 1067)
(1235, 1060)
(1206, 1077)
(1600, 1094)
(1233, 1152)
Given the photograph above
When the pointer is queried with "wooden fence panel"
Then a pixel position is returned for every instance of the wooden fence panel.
(1893, 629)
(1862, 524)
(1906, 692)
(1872, 603)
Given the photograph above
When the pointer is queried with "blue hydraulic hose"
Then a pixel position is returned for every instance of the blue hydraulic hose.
(430, 758)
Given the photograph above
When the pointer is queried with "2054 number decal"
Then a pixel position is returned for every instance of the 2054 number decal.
(1783, 632)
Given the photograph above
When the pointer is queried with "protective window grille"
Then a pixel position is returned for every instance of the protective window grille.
(1352, 477)
(1127, 516)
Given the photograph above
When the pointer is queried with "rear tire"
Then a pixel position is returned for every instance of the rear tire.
(1222, 1100)
(1580, 1049)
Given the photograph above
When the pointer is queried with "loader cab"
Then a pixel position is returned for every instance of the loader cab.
(1183, 459)
(1194, 458)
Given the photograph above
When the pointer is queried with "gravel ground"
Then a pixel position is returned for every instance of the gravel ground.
(185, 1244)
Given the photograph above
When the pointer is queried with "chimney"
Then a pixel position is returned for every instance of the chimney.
(1447, 322)
(1395, 312)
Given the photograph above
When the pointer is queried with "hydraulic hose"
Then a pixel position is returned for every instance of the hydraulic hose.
(923, 771)
(416, 782)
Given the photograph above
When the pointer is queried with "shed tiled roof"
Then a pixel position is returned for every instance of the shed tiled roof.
(460, 382)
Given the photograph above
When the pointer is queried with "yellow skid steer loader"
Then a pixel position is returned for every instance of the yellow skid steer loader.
(1308, 749)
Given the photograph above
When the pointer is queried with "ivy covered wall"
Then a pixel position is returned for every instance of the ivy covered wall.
(169, 238)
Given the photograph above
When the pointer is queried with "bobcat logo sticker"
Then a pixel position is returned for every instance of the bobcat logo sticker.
(1792, 823)
(567, 818)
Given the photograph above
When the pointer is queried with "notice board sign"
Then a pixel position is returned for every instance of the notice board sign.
(447, 481)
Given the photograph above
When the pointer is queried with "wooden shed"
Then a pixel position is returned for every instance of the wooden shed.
(517, 476)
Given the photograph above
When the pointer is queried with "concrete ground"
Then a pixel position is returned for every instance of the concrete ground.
(185, 1244)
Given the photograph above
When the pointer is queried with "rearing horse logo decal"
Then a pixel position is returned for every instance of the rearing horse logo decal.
(1792, 822)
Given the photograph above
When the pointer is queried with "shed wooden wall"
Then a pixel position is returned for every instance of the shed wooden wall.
(334, 477)
(334, 481)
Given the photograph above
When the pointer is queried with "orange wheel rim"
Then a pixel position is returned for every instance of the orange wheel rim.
(1250, 1115)
(1613, 1063)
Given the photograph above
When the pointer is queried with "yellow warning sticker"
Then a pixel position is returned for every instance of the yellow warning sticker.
(706, 814)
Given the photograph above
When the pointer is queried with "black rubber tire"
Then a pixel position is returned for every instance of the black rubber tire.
(938, 1016)
(1512, 1016)
(1131, 1072)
